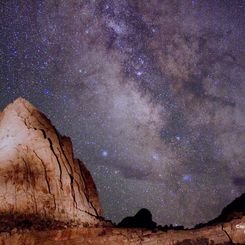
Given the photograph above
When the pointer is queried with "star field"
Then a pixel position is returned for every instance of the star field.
(152, 94)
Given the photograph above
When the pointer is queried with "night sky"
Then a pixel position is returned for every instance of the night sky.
(152, 94)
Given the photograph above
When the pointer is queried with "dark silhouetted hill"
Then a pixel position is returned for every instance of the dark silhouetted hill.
(143, 219)
(235, 209)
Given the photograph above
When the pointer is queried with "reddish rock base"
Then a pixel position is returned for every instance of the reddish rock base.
(227, 233)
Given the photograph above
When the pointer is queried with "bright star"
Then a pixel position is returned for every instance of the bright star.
(104, 153)
(139, 73)
(46, 91)
(177, 138)
(187, 178)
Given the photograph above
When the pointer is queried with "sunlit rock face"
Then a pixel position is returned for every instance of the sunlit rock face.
(38, 172)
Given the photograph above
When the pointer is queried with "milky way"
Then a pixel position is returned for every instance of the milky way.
(152, 94)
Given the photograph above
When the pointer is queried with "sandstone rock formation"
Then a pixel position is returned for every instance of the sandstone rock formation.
(39, 176)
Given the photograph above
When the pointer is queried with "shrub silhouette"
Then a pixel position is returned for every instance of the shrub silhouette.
(143, 219)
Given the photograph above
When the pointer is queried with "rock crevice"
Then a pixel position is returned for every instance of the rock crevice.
(226, 233)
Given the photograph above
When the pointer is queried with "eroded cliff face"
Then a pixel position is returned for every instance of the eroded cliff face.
(39, 176)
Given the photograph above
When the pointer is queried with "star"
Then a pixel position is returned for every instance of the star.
(187, 178)
(155, 156)
(104, 153)
(139, 73)
(177, 137)
(46, 91)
